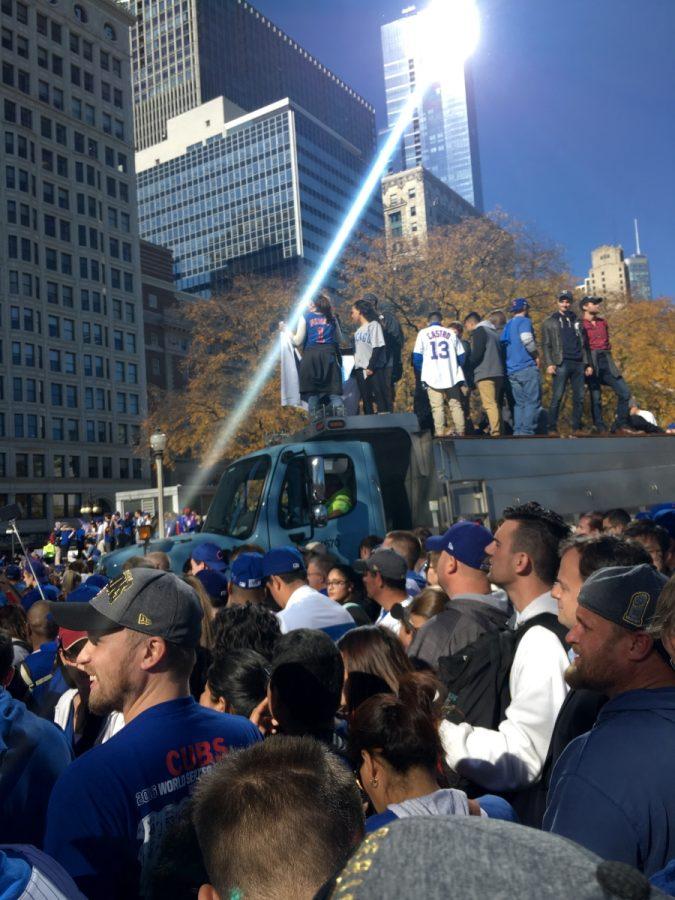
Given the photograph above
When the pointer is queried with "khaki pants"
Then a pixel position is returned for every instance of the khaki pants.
(490, 390)
(437, 402)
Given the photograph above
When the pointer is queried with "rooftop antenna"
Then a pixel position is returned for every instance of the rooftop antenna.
(637, 238)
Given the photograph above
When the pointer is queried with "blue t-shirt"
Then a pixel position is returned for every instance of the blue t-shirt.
(319, 330)
(111, 808)
(517, 357)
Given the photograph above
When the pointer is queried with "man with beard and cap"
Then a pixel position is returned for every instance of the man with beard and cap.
(610, 790)
(110, 809)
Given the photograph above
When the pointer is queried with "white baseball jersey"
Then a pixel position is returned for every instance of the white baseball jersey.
(439, 347)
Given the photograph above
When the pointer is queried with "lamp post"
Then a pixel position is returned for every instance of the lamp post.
(158, 446)
(90, 508)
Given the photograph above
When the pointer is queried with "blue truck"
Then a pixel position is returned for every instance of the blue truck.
(343, 478)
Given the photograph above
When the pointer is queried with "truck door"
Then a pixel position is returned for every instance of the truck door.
(352, 499)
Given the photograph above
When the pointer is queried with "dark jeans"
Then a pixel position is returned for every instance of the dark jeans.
(526, 389)
(573, 372)
(618, 385)
(373, 390)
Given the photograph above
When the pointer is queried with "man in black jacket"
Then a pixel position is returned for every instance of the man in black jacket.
(567, 357)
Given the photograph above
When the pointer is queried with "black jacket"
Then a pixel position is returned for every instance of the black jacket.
(552, 344)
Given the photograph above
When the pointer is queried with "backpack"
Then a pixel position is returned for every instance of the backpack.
(477, 677)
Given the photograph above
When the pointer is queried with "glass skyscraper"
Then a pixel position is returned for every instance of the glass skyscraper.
(639, 277)
(442, 136)
(262, 192)
(187, 52)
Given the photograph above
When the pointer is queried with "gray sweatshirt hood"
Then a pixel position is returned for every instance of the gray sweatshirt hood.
(448, 802)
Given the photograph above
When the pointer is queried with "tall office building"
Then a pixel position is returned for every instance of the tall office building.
(443, 135)
(608, 273)
(638, 271)
(72, 374)
(263, 192)
(415, 202)
(187, 53)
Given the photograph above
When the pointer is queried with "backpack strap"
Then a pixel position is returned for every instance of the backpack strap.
(548, 621)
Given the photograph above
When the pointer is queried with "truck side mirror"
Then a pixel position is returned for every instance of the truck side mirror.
(317, 479)
(317, 482)
(319, 515)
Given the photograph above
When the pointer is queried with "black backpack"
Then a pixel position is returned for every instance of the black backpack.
(477, 677)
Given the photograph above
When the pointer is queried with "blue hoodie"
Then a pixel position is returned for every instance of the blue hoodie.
(612, 790)
(33, 753)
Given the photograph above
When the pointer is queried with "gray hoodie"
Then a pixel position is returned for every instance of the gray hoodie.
(448, 802)
(486, 352)
(460, 624)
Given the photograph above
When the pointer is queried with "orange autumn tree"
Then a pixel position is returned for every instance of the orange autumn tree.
(231, 332)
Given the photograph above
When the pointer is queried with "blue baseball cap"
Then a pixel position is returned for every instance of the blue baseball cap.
(247, 570)
(83, 594)
(210, 554)
(97, 581)
(466, 541)
(13, 571)
(666, 519)
(519, 305)
(282, 561)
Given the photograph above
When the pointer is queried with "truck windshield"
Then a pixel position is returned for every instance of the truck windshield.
(234, 509)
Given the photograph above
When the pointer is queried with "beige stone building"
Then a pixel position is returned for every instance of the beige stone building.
(608, 274)
(414, 202)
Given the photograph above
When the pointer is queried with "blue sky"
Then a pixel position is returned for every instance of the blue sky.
(575, 103)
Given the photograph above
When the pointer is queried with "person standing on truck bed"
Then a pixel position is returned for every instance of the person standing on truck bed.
(605, 370)
(438, 356)
(567, 358)
(487, 362)
(522, 368)
(393, 339)
(370, 358)
(319, 336)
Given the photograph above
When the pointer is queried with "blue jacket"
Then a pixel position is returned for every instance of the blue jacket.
(612, 789)
(33, 753)
(518, 334)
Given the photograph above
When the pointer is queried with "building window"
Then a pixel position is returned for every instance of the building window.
(395, 224)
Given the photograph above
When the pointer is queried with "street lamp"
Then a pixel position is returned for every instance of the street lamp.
(90, 508)
(158, 446)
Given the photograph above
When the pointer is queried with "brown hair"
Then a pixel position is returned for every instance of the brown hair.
(428, 603)
(208, 638)
(375, 651)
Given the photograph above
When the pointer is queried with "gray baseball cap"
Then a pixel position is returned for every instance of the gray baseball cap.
(387, 562)
(625, 595)
(465, 857)
(145, 600)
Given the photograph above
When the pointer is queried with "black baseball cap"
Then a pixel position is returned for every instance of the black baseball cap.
(386, 561)
(145, 600)
(566, 295)
(625, 595)
(583, 303)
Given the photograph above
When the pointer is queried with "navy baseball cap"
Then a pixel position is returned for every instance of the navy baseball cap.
(13, 571)
(466, 541)
(145, 600)
(38, 568)
(247, 570)
(566, 295)
(282, 561)
(519, 305)
(211, 555)
(215, 584)
(625, 595)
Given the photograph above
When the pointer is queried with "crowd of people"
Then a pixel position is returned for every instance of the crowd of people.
(284, 723)
(496, 357)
